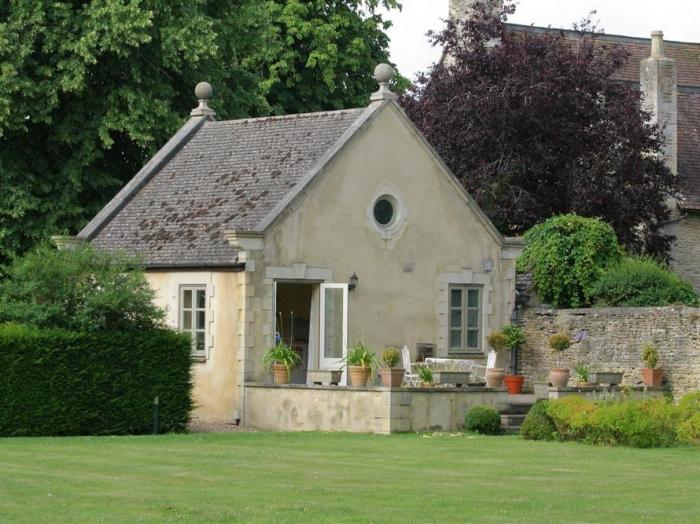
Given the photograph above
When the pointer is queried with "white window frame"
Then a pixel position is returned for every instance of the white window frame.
(464, 328)
(202, 354)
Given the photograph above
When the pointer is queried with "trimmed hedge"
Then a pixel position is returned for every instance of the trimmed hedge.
(483, 419)
(55, 382)
(537, 424)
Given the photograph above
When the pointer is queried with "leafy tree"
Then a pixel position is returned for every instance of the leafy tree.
(78, 289)
(89, 90)
(534, 125)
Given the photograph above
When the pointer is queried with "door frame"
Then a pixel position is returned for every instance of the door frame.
(332, 363)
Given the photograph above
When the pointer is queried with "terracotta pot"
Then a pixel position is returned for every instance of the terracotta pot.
(359, 376)
(652, 376)
(514, 384)
(280, 374)
(559, 377)
(494, 377)
(392, 377)
(583, 384)
(427, 384)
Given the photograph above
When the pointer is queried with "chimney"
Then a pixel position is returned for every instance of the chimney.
(658, 85)
(462, 9)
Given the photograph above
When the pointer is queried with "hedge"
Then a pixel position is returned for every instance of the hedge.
(56, 382)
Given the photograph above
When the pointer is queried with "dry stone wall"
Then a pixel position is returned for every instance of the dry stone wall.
(613, 340)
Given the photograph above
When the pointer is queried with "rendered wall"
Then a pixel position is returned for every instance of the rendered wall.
(614, 340)
(686, 250)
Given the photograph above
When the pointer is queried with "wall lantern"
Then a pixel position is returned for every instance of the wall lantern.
(488, 265)
(352, 284)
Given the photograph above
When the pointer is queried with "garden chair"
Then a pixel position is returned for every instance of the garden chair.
(410, 378)
(490, 363)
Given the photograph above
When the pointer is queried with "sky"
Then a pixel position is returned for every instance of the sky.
(678, 19)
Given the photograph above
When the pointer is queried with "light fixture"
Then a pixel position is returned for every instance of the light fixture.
(488, 265)
(353, 281)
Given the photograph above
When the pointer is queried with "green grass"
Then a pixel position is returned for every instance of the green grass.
(281, 477)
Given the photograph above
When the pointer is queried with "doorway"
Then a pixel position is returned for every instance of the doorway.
(293, 323)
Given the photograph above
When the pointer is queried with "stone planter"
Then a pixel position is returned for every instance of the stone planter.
(652, 376)
(391, 377)
(606, 377)
(359, 376)
(494, 377)
(458, 378)
(280, 374)
(559, 377)
(541, 390)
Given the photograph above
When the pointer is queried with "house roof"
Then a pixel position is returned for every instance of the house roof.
(213, 177)
(687, 57)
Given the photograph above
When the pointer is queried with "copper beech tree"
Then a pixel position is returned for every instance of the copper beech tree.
(534, 124)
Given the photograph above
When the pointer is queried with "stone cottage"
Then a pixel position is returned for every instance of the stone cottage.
(668, 75)
(325, 228)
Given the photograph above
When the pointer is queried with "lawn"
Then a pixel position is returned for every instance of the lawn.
(280, 477)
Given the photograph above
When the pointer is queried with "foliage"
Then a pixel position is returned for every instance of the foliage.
(79, 289)
(650, 355)
(497, 341)
(90, 90)
(570, 415)
(642, 281)
(515, 338)
(537, 424)
(361, 355)
(689, 405)
(567, 255)
(57, 382)
(582, 372)
(483, 419)
(535, 127)
(391, 357)
(689, 430)
(425, 374)
(559, 342)
(282, 354)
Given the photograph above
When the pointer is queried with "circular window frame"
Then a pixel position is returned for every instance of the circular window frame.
(400, 213)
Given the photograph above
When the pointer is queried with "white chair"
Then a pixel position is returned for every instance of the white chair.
(410, 378)
(490, 363)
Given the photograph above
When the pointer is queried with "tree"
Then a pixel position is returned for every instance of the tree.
(78, 289)
(90, 90)
(534, 125)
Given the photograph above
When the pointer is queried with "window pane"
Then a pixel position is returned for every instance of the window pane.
(187, 320)
(455, 297)
(187, 298)
(472, 339)
(201, 299)
(199, 341)
(334, 319)
(200, 320)
(455, 339)
(473, 318)
(473, 298)
(456, 318)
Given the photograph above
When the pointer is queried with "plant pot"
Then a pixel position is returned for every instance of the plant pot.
(392, 377)
(457, 378)
(359, 376)
(494, 377)
(514, 384)
(280, 374)
(559, 377)
(652, 376)
(583, 384)
(610, 378)
(427, 384)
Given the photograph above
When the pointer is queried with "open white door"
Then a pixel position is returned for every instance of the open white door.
(333, 326)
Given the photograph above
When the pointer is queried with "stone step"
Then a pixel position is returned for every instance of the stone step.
(515, 409)
(511, 420)
(510, 430)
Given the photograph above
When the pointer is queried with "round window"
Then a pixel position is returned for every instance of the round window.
(384, 211)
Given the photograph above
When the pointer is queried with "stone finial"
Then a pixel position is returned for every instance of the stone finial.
(203, 92)
(657, 44)
(383, 73)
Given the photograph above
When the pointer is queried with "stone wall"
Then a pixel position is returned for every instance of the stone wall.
(614, 337)
(686, 249)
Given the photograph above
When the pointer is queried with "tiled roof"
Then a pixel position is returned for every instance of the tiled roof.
(227, 175)
(687, 57)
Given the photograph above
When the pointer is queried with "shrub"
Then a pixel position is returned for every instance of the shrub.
(641, 281)
(570, 416)
(483, 419)
(689, 430)
(78, 289)
(650, 355)
(560, 342)
(56, 382)
(566, 255)
(689, 405)
(515, 338)
(497, 341)
(391, 357)
(537, 424)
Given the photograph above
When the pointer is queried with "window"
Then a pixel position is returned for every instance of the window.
(465, 319)
(384, 211)
(193, 316)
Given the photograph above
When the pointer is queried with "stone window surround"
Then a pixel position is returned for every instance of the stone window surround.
(193, 318)
(463, 277)
(396, 226)
(205, 280)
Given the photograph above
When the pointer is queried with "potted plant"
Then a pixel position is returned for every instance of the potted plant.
(515, 339)
(651, 375)
(559, 376)
(582, 375)
(360, 361)
(426, 376)
(391, 375)
(281, 358)
(494, 376)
